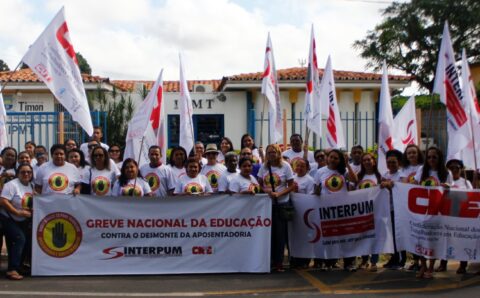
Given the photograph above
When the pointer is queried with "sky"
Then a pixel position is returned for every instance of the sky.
(135, 39)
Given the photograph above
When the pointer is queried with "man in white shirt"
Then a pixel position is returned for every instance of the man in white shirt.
(297, 151)
(97, 136)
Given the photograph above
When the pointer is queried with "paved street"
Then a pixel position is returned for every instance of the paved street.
(291, 283)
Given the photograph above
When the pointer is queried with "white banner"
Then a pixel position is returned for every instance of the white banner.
(85, 235)
(436, 223)
(341, 225)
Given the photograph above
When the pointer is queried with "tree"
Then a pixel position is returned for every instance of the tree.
(83, 64)
(3, 66)
(409, 36)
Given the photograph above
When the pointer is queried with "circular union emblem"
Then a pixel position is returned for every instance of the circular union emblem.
(430, 181)
(101, 185)
(27, 202)
(366, 184)
(128, 190)
(193, 188)
(276, 180)
(58, 181)
(153, 181)
(334, 183)
(212, 177)
(411, 177)
(59, 235)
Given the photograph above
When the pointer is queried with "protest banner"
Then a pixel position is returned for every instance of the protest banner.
(437, 223)
(341, 225)
(84, 235)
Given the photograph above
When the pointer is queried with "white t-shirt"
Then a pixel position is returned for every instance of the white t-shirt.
(256, 156)
(393, 177)
(213, 174)
(225, 180)
(84, 173)
(177, 173)
(356, 168)
(330, 181)
(304, 184)
(368, 181)
(293, 157)
(59, 180)
(195, 185)
(160, 179)
(280, 177)
(313, 169)
(84, 149)
(432, 179)
(462, 183)
(239, 184)
(101, 181)
(409, 173)
(19, 195)
(141, 188)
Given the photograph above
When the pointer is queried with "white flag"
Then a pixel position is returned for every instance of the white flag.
(385, 122)
(447, 84)
(313, 114)
(186, 111)
(141, 128)
(272, 93)
(472, 151)
(329, 108)
(3, 124)
(52, 58)
(405, 126)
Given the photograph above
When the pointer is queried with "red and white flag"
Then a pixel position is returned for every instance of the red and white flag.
(3, 124)
(405, 126)
(145, 127)
(53, 59)
(272, 93)
(329, 108)
(447, 84)
(186, 112)
(385, 122)
(472, 150)
(313, 114)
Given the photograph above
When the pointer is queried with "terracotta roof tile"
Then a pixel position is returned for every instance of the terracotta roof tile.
(27, 76)
(168, 86)
(299, 73)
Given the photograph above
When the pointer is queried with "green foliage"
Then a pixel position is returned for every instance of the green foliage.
(3, 66)
(422, 102)
(83, 64)
(409, 36)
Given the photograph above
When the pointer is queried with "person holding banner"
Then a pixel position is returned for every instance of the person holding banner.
(193, 183)
(159, 177)
(247, 153)
(368, 177)
(247, 142)
(130, 182)
(244, 182)
(304, 183)
(432, 173)
(58, 176)
(15, 215)
(333, 178)
(356, 154)
(276, 179)
(212, 169)
(456, 167)
(394, 158)
(101, 175)
(178, 160)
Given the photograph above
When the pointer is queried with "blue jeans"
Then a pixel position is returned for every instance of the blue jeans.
(16, 240)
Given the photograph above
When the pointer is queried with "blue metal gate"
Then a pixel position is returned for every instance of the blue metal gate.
(43, 129)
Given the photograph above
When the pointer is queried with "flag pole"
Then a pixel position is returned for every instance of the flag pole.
(429, 130)
(138, 162)
(10, 76)
(475, 176)
(261, 121)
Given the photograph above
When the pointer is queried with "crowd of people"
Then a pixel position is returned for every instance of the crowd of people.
(98, 169)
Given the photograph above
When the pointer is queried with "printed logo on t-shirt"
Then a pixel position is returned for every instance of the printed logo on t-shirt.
(411, 177)
(334, 183)
(58, 181)
(153, 181)
(128, 190)
(101, 185)
(255, 159)
(193, 187)
(27, 200)
(212, 177)
(276, 180)
(430, 181)
(367, 183)
(254, 188)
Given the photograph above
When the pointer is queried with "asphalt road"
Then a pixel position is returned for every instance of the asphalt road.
(292, 283)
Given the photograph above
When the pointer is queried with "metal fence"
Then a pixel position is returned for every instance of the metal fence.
(43, 128)
(359, 128)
